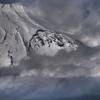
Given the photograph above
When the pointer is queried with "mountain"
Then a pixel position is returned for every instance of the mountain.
(49, 43)
(21, 36)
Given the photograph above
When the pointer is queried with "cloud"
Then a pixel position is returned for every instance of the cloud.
(80, 17)
(38, 87)
(62, 76)
(65, 75)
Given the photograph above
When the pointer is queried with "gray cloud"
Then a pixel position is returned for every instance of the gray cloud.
(80, 17)
(58, 77)
(34, 87)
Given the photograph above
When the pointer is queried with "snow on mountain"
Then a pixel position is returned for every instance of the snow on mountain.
(49, 43)
(21, 36)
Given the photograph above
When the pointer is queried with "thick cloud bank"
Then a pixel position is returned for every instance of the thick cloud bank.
(72, 76)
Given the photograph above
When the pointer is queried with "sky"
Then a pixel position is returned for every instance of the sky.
(8, 1)
(73, 76)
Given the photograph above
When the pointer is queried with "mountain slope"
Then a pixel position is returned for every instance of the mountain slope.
(21, 36)
(16, 29)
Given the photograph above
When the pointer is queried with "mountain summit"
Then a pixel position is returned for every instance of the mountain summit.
(49, 43)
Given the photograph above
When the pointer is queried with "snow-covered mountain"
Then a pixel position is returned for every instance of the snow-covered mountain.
(49, 43)
(21, 36)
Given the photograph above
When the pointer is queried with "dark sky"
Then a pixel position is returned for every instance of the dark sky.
(8, 1)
